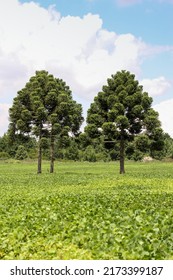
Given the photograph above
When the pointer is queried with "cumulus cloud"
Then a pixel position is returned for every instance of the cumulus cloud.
(78, 50)
(65, 45)
(156, 87)
(166, 115)
(3, 118)
(12, 73)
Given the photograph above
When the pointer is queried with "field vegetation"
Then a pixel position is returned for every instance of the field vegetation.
(86, 211)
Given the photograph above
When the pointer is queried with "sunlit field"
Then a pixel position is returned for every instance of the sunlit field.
(86, 211)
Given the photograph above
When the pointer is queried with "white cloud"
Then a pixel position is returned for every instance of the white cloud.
(12, 74)
(75, 49)
(156, 87)
(166, 115)
(78, 44)
(3, 118)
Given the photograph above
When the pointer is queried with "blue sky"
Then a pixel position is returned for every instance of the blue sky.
(84, 42)
(150, 19)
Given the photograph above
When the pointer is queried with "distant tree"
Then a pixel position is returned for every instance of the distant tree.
(21, 153)
(83, 141)
(44, 108)
(72, 151)
(122, 111)
(28, 114)
(4, 143)
(4, 155)
(168, 147)
(90, 154)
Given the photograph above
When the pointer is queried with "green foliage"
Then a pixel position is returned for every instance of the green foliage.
(142, 143)
(83, 141)
(137, 155)
(4, 155)
(44, 142)
(90, 154)
(4, 145)
(21, 153)
(120, 121)
(44, 108)
(72, 152)
(121, 112)
(168, 146)
(86, 211)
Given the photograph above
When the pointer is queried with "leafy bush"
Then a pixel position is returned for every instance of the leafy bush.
(72, 152)
(90, 154)
(21, 153)
(4, 155)
(138, 155)
(32, 154)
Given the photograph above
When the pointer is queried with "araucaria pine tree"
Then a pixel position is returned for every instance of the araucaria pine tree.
(45, 108)
(122, 111)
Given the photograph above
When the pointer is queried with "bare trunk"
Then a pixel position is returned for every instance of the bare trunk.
(52, 154)
(122, 169)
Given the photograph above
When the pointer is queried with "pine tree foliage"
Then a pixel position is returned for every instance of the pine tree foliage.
(122, 111)
(45, 108)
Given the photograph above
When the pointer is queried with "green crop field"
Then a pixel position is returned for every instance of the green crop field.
(86, 211)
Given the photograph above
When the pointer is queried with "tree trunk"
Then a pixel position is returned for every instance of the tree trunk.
(122, 169)
(39, 155)
(52, 154)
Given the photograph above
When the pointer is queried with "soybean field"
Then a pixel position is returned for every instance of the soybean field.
(86, 211)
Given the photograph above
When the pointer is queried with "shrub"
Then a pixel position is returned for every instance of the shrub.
(21, 153)
(4, 155)
(138, 155)
(90, 154)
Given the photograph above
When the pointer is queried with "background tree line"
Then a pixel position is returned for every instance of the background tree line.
(45, 123)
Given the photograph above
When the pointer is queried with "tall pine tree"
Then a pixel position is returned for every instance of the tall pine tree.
(121, 111)
(44, 108)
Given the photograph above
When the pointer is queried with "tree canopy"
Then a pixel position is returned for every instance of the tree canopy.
(45, 108)
(121, 111)
(120, 122)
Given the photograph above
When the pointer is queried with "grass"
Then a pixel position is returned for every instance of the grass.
(86, 211)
